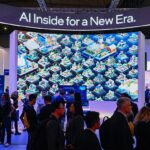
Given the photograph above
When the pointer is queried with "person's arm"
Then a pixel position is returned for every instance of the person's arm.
(52, 132)
(32, 119)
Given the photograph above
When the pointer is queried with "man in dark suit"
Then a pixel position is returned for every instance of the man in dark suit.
(120, 137)
(46, 110)
(55, 135)
(88, 139)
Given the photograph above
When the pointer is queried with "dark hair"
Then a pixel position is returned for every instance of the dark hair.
(6, 96)
(71, 91)
(32, 97)
(56, 104)
(125, 95)
(91, 118)
(62, 92)
(47, 98)
(78, 109)
(77, 97)
(14, 95)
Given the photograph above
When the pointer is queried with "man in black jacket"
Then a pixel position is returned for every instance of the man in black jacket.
(46, 110)
(120, 137)
(55, 135)
(31, 118)
(88, 139)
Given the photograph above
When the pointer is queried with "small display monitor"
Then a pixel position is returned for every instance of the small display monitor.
(68, 89)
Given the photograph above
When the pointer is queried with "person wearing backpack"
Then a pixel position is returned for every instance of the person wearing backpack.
(104, 133)
(120, 134)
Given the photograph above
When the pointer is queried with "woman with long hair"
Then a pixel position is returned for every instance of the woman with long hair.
(142, 129)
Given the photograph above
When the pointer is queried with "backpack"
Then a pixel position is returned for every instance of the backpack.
(105, 133)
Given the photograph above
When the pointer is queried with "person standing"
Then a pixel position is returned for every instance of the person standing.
(142, 129)
(88, 139)
(75, 126)
(40, 101)
(45, 112)
(55, 134)
(30, 121)
(120, 136)
(15, 113)
(6, 118)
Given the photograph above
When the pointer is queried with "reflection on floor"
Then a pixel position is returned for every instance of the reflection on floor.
(18, 142)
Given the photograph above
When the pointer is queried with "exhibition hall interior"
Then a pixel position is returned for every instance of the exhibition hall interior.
(74, 75)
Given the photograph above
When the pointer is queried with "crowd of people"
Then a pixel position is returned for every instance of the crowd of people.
(126, 129)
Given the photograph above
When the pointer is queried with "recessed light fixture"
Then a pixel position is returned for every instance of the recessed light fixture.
(5, 28)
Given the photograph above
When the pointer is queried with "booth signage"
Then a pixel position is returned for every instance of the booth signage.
(67, 21)
(6, 72)
(1, 86)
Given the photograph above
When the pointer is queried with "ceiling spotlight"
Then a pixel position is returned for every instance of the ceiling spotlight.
(5, 28)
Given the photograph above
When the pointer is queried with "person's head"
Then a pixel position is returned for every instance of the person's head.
(124, 105)
(76, 109)
(125, 95)
(5, 97)
(71, 92)
(14, 95)
(77, 96)
(61, 92)
(72, 108)
(43, 93)
(7, 89)
(47, 99)
(143, 115)
(32, 99)
(92, 120)
(58, 108)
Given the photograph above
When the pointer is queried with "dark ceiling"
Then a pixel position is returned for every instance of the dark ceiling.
(78, 3)
(62, 4)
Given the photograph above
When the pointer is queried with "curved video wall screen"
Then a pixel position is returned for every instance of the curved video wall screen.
(106, 63)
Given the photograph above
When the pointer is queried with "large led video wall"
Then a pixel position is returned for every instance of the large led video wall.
(106, 63)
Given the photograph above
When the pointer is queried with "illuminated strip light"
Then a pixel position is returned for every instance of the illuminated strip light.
(113, 5)
(42, 5)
